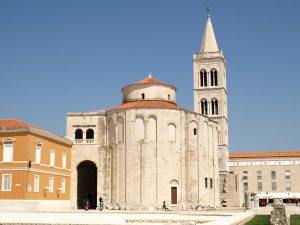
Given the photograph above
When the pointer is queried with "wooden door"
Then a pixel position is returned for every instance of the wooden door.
(174, 195)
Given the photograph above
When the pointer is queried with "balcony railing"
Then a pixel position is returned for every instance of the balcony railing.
(84, 141)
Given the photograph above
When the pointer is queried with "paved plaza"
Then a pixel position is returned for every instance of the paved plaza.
(224, 217)
(216, 217)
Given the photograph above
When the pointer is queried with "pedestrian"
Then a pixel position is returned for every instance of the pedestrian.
(101, 203)
(87, 205)
(164, 206)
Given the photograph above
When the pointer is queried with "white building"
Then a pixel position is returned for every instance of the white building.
(149, 150)
(269, 174)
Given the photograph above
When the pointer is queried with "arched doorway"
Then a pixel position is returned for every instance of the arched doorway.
(87, 184)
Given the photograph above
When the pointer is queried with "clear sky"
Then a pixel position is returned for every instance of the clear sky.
(67, 56)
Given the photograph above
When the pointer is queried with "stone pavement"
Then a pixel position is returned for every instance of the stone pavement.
(224, 217)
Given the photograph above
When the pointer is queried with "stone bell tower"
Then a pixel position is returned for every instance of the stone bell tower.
(210, 94)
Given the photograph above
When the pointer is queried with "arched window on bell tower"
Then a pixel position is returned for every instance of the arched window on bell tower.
(203, 78)
(214, 107)
(204, 107)
(214, 77)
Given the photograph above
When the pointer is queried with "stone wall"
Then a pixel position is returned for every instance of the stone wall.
(231, 190)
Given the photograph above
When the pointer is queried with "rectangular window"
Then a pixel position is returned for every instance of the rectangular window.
(38, 154)
(245, 175)
(6, 182)
(273, 175)
(63, 186)
(64, 160)
(259, 186)
(52, 158)
(286, 162)
(36, 186)
(248, 163)
(233, 164)
(258, 163)
(274, 188)
(51, 184)
(259, 175)
(273, 163)
(287, 174)
(8, 151)
(245, 186)
(288, 186)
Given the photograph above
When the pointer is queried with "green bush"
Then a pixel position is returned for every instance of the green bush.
(295, 219)
(260, 220)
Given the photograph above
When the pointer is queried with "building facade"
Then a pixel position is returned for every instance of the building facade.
(149, 150)
(269, 174)
(145, 151)
(34, 168)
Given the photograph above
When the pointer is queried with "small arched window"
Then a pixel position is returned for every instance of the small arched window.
(214, 107)
(169, 97)
(143, 96)
(78, 134)
(90, 134)
(214, 77)
(206, 182)
(172, 132)
(204, 107)
(203, 77)
(211, 183)
(195, 131)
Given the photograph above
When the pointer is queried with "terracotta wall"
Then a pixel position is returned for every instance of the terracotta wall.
(23, 176)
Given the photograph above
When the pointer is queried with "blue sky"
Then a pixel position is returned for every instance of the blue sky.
(64, 56)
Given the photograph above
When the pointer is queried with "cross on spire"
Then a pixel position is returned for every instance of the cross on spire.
(208, 11)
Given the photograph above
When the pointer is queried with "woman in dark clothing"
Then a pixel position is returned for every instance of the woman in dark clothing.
(101, 203)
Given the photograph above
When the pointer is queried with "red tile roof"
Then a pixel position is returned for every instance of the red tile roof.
(16, 123)
(149, 80)
(263, 154)
(148, 104)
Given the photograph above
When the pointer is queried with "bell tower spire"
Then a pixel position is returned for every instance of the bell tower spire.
(209, 42)
(210, 93)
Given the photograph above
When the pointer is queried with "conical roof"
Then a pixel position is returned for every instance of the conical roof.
(149, 80)
(209, 43)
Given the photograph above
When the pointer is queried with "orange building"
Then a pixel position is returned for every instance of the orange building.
(34, 167)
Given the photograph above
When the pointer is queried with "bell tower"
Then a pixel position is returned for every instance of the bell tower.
(210, 94)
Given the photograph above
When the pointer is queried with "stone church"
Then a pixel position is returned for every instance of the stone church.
(149, 149)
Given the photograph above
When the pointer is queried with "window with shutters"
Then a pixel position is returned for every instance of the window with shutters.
(52, 158)
(38, 150)
(6, 182)
(8, 149)
(63, 186)
(36, 184)
(51, 184)
(64, 161)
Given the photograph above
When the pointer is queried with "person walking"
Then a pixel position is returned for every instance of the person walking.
(101, 203)
(164, 206)
(87, 205)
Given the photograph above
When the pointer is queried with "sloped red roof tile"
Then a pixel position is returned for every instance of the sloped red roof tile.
(148, 104)
(16, 123)
(263, 154)
(149, 80)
